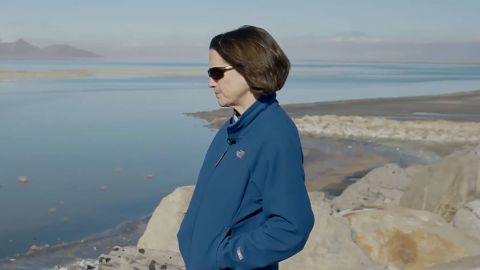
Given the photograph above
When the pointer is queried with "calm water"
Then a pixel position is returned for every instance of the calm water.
(105, 149)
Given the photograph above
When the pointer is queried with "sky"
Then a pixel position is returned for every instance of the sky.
(343, 30)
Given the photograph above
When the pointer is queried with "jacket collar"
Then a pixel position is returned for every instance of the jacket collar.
(234, 129)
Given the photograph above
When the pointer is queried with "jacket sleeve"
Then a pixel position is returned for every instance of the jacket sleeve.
(286, 207)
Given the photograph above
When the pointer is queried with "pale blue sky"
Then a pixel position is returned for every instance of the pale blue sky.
(121, 27)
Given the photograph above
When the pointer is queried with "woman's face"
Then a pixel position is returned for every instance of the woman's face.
(232, 90)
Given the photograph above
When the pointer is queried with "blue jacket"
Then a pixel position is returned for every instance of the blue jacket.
(250, 208)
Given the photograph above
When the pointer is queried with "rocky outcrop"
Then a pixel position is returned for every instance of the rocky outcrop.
(330, 246)
(368, 238)
(441, 188)
(369, 226)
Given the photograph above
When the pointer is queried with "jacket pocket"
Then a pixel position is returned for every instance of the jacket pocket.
(222, 236)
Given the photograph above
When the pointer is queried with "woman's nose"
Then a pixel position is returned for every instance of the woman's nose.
(211, 83)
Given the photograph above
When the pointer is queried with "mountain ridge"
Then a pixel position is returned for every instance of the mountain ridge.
(23, 50)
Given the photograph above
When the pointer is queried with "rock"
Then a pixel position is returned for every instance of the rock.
(79, 265)
(127, 258)
(409, 239)
(23, 180)
(35, 249)
(467, 219)
(446, 186)
(330, 245)
(442, 187)
(161, 231)
(381, 186)
(469, 263)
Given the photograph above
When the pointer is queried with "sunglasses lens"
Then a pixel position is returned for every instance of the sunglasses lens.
(215, 73)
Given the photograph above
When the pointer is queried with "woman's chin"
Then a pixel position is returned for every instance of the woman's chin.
(222, 103)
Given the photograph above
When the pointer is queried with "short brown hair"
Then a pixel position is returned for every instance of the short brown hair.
(254, 53)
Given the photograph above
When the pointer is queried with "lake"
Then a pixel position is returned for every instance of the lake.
(104, 149)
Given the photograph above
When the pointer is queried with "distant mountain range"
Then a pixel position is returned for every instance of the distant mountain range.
(20, 49)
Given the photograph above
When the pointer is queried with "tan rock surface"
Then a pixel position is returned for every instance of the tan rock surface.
(409, 239)
(330, 245)
(161, 231)
(442, 187)
(382, 186)
(467, 219)
(446, 186)
(469, 263)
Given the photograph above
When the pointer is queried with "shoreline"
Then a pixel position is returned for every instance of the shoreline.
(439, 105)
(464, 103)
(330, 169)
(90, 247)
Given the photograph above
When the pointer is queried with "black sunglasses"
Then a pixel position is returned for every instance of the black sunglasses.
(216, 73)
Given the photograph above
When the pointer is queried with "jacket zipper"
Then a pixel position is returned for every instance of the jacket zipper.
(221, 157)
(230, 142)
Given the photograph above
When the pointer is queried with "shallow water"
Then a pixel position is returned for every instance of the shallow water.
(102, 150)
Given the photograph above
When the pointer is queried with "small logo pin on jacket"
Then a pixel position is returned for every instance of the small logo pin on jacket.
(240, 153)
(239, 254)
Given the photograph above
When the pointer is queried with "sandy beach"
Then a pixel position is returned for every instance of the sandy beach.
(334, 160)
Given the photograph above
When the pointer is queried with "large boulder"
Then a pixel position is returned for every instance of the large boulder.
(381, 186)
(446, 186)
(409, 239)
(442, 187)
(467, 219)
(162, 228)
(330, 245)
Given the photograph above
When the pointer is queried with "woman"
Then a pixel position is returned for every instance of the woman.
(250, 208)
